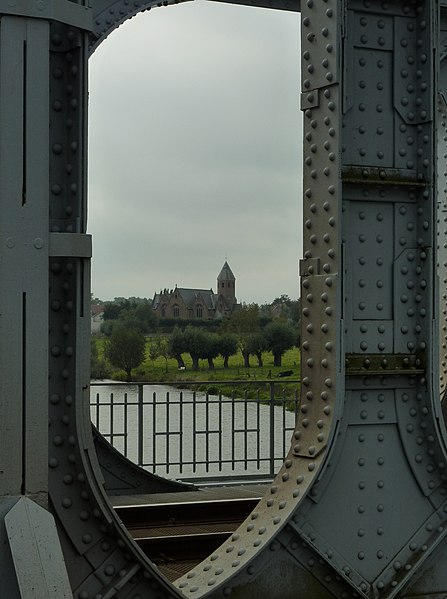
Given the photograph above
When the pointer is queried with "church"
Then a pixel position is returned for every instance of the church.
(199, 304)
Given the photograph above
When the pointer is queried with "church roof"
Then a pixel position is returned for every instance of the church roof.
(226, 274)
(189, 296)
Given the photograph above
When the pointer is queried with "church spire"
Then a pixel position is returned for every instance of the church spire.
(226, 284)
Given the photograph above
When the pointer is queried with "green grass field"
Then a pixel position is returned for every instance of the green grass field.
(215, 380)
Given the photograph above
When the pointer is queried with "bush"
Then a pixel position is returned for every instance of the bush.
(98, 365)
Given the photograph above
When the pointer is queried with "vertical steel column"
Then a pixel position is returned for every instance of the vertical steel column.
(24, 264)
(386, 221)
(28, 534)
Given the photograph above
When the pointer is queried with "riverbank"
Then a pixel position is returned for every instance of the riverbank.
(217, 380)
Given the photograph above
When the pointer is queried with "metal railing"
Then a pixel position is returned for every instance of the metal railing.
(195, 436)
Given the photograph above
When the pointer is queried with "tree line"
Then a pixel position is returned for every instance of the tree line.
(132, 313)
(137, 313)
(125, 347)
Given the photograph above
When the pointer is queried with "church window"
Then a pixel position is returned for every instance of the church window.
(229, 285)
(163, 311)
(199, 312)
(223, 284)
(176, 311)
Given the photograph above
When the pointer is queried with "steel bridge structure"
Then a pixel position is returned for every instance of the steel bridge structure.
(359, 508)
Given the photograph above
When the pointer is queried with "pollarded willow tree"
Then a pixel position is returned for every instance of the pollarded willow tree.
(279, 336)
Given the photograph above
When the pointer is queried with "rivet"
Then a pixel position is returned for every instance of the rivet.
(109, 570)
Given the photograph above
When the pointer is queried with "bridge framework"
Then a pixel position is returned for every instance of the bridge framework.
(359, 508)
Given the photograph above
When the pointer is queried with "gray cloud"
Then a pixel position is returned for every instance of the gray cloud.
(195, 152)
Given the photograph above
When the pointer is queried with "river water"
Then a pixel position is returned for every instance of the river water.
(186, 434)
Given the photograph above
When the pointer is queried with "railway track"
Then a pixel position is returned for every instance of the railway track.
(178, 530)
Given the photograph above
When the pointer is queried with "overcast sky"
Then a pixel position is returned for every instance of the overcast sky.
(195, 152)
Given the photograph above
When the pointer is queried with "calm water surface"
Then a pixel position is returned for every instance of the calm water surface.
(207, 437)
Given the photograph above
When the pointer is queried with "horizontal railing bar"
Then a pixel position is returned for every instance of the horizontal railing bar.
(276, 381)
(240, 401)
(205, 462)
(188, 402)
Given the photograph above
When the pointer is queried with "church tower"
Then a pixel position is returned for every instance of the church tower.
(226, 285)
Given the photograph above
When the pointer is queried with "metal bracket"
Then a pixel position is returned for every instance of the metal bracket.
(75, 245)
(52, 10)
(310, 99)
(381, 176)
(373, 364)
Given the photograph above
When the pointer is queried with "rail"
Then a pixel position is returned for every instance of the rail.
(199, 436)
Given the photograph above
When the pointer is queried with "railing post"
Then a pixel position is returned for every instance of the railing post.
(97, 412)
(140, 425)
(126, 432)
(272, 428)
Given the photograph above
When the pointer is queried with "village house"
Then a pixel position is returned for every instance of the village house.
(96, 318)
(201, 304)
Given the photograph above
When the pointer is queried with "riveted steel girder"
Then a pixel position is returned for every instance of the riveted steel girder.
(359, 507)
(110, 14)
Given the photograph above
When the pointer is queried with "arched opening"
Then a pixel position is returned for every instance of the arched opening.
(195, 150)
